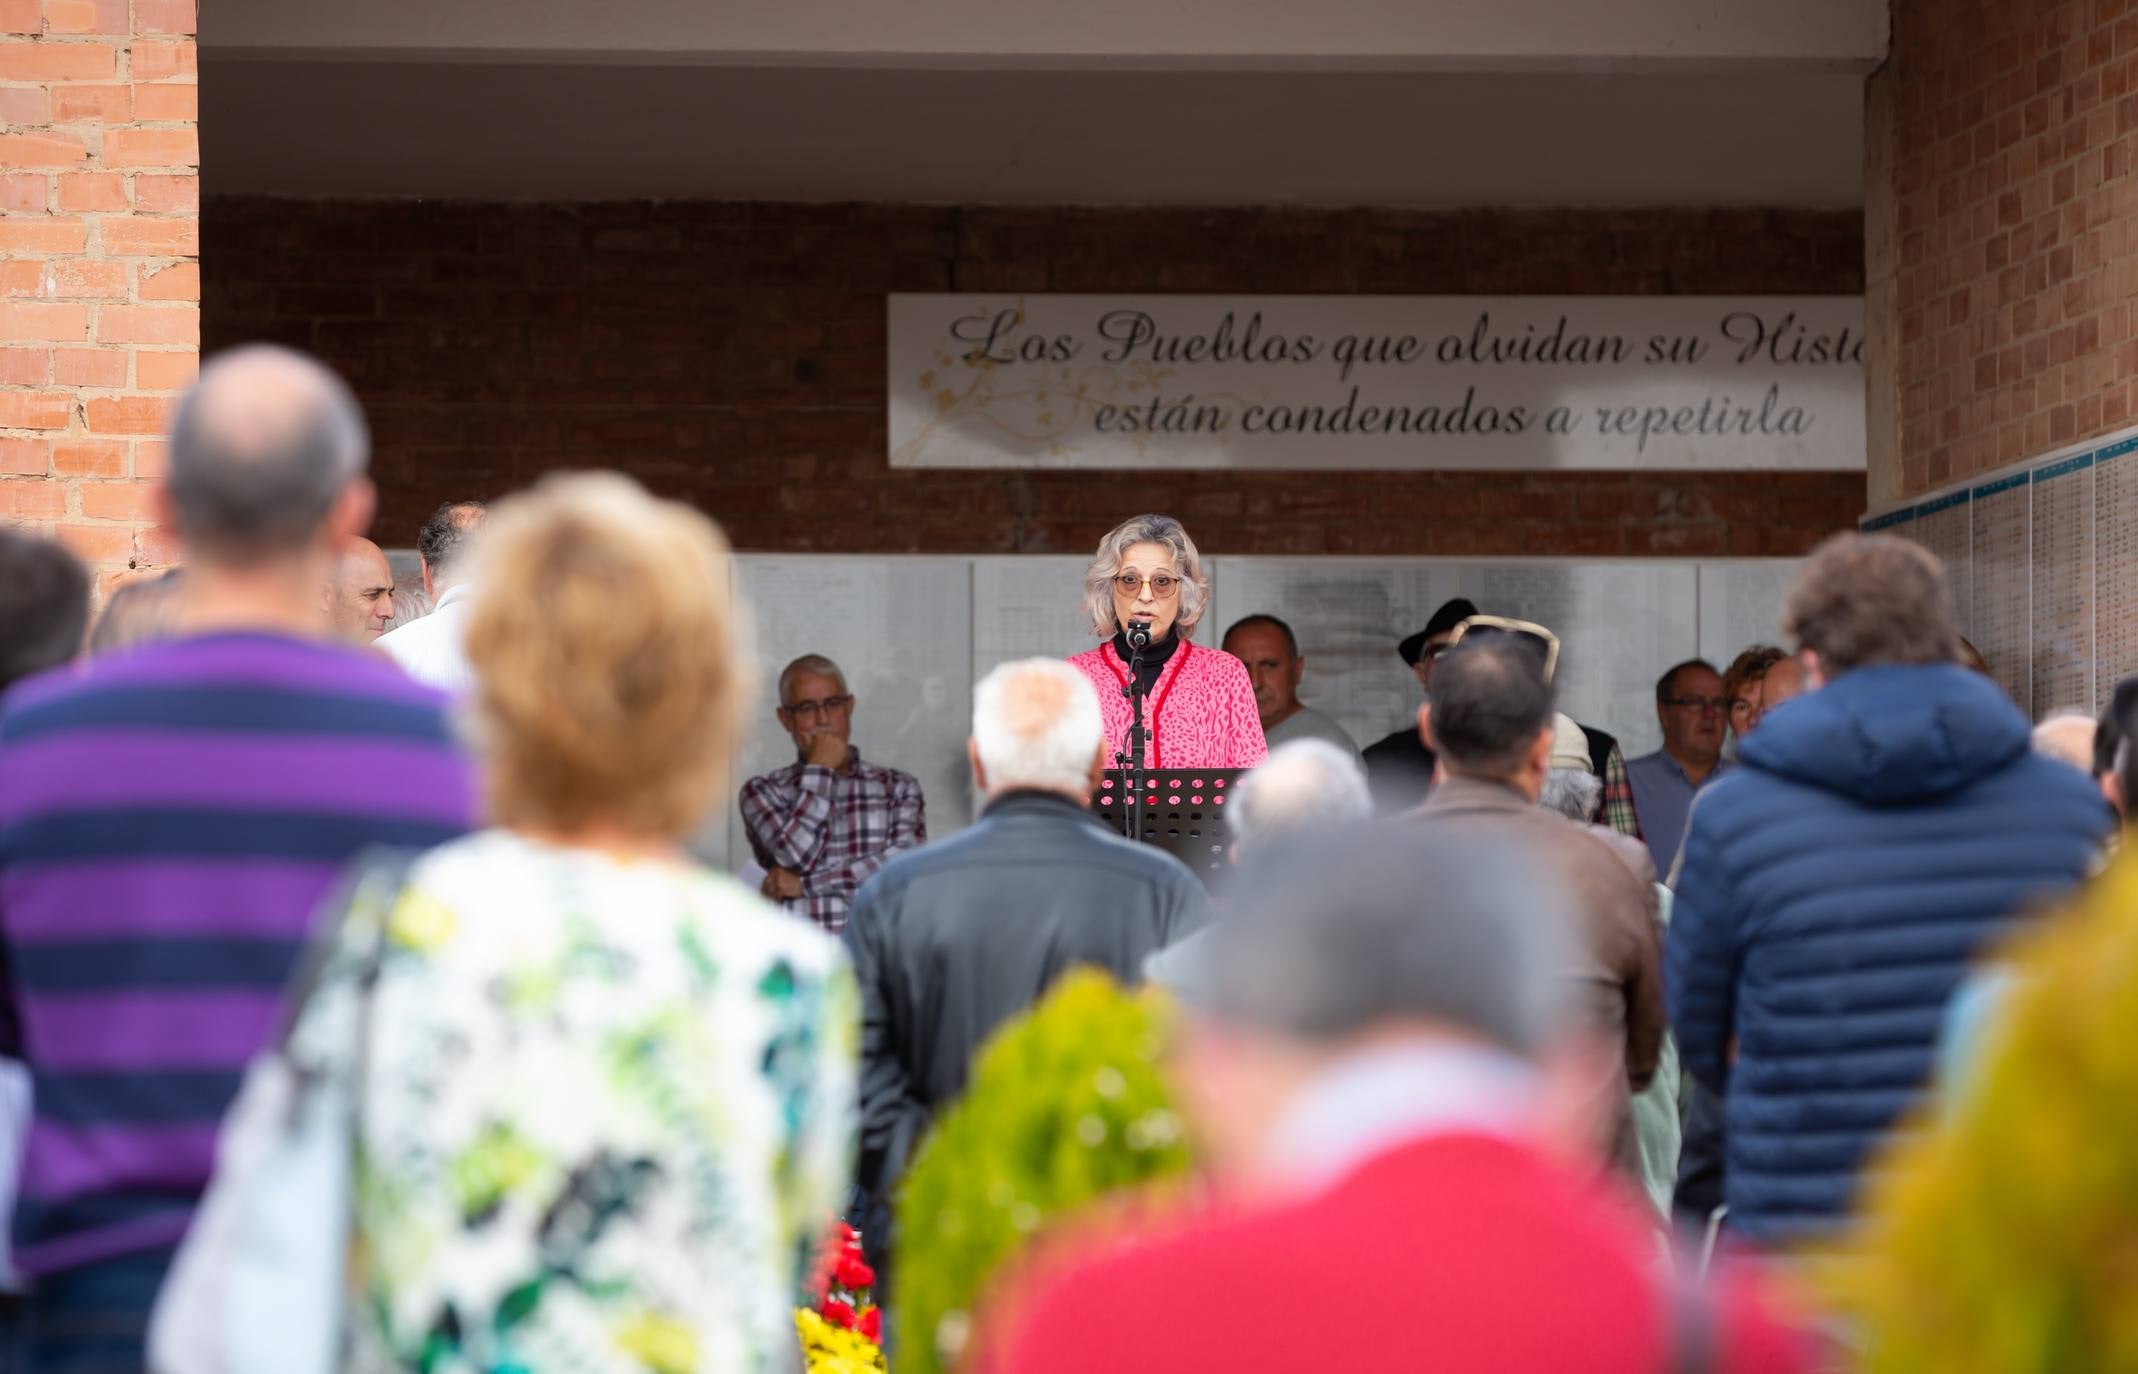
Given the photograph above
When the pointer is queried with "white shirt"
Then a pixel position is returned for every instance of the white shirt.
(434, 650)
(1377, 1099)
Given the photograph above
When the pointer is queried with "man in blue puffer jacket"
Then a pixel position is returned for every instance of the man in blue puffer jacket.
(1880, 834)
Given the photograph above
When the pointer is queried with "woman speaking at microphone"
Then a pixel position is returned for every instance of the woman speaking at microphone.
(1145, 591)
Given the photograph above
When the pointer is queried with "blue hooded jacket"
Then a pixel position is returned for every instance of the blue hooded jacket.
(1881, 833)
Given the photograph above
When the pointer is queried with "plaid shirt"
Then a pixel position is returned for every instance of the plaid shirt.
(1618, 796)
(834, 829)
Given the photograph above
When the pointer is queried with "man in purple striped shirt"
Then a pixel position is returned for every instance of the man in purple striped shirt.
(171, 819)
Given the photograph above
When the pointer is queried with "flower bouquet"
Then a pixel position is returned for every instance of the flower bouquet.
(843, 1332)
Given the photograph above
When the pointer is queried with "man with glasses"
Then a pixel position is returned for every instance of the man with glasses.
(1690, 707)
(824, 823)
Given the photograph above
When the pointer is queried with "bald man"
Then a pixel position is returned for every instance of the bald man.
(360, 596)
(193, 802)
(2067, 735)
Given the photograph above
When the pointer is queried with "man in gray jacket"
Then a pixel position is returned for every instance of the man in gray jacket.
(952, 939)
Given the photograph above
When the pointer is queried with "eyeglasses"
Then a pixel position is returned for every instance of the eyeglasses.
(1706, 706)
(1162, 585)
(814, 710)
(1478, 626)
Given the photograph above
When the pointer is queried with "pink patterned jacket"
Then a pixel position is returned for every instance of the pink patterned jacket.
(1201, 713)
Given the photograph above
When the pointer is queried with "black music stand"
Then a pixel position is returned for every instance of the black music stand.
(1183, 813)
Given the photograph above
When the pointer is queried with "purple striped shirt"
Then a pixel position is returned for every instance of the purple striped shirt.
(170, 821)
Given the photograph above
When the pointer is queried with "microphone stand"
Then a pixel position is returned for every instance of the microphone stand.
(1132, 814)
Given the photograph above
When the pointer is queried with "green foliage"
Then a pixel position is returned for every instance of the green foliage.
(2003, 1237)
(1066, 1104)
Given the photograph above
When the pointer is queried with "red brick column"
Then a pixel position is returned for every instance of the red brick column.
(2004, 178)
(99, 264)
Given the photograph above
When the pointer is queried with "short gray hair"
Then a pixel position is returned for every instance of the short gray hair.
(1303, 782)
(1106, 565)
(1572, 792)
(261, 447)
(808, 663)
(1036, 723)
(1426, 925)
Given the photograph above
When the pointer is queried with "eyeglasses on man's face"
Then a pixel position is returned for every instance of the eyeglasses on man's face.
(1162, 585)
(1706, 706)
(819, 710)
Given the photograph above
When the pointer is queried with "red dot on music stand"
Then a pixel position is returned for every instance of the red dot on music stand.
(1173, 800)
(1195, 801)
(1218, 800)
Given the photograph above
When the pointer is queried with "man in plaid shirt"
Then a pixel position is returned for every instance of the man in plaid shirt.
(1618, 810)
(823, 824)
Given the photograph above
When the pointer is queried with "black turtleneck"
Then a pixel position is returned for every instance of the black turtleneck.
(1154, 658)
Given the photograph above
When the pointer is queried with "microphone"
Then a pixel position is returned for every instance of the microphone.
(1139, 634)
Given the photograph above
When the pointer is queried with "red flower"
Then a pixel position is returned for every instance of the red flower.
(838, 1313)
(853, 1272)
(872, 1324)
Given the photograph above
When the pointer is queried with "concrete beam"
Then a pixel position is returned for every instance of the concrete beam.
(1282, 34)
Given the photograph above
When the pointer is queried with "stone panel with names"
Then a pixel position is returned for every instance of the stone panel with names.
(2001, 572)
(2062, 578)
(2115, 565)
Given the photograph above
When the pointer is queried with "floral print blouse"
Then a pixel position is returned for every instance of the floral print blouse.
(607, 1108)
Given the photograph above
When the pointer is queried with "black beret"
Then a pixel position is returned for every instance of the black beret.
(1445, 619)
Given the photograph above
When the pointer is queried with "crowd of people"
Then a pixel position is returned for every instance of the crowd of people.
(1563, 1059)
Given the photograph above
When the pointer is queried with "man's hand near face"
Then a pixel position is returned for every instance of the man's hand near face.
(826, 750)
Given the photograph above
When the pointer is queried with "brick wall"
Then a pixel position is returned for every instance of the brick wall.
(733, 354)
(2008, 166)
(99, 287)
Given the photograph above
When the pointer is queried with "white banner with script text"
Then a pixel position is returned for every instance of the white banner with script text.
(1330, 382)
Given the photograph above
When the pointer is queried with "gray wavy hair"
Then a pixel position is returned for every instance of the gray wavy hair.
(1572, 792)
(1106, 565)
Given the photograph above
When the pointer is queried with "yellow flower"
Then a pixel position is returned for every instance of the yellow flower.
(659, 1342)
(833, 1349)
(420, 922)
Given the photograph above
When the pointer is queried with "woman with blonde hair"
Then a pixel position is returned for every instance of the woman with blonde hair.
(607, 1095)
(1199, 707)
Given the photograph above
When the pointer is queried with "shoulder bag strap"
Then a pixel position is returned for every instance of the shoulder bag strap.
(1695, 1331)
(373, 870)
